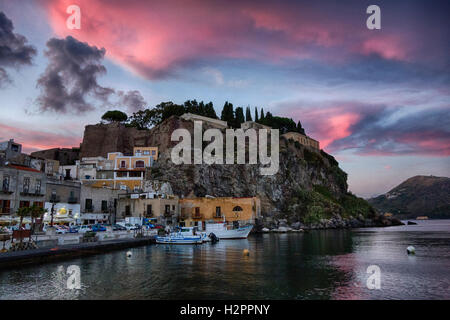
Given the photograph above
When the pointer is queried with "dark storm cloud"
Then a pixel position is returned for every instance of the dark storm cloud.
(14, 50)
(132, 100)
(71, 77)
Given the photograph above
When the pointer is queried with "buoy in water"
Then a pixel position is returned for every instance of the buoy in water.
(411, 250)
(129, 254)
(246, 252)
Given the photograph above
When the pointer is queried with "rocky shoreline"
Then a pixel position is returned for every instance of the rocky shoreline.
(269, 224)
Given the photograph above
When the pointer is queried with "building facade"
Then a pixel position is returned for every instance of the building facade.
(9, 149)
(21, 187)
(194, 211)
(302, 139)
(162, 209)
(63, 197)
(98, 205)
(118, 171)
(216, 123)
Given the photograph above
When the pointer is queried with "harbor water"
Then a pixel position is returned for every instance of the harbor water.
(328, 264)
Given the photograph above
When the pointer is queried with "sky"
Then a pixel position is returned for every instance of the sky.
(378, 100)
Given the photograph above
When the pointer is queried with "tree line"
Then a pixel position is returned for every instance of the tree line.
(147, 118)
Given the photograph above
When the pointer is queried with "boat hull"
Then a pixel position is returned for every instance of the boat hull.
(223, 233)
(179, 240)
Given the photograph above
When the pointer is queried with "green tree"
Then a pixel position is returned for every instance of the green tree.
(256, 114)
(115, 116)
(300, 128)
(36, 212)
(248, 114)
(239, 117)
(228, 113)
(261, 117)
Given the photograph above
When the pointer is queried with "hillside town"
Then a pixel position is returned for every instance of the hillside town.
(118, 188)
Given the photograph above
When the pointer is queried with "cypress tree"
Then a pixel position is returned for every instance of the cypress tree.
(256, 114)
(248, 114)
(239, 117)
(228, 114)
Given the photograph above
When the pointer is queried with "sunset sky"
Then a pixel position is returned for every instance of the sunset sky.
(378, 100)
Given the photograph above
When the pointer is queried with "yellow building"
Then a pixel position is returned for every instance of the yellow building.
(199, 210)
(126, 172)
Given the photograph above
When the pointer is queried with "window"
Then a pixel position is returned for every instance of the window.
(39, 204)
(149, 210)
(153, 152)
(197, 211)
(140, 164)
(104, 206)
(5, 206)
(5, 185)
(173, 207)
(38, 186)
(218, 212)
(237, 208)
(123, 164)
(146, 152)
(134, 174)
(24, 204)
(127, 211)
(122, 174)
(26, 185)
(88, 204)
(167, 209)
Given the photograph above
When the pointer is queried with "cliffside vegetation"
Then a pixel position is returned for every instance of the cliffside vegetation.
(145, 119)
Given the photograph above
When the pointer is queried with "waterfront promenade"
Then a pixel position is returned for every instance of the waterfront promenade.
(51, 248)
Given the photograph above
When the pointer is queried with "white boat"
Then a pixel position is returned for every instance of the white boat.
(223, 231)
(182, 236)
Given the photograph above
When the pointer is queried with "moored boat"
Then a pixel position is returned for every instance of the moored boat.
(182, 236)
(224, 231)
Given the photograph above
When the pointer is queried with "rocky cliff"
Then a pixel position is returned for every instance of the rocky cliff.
(309, 188)
(417, 196)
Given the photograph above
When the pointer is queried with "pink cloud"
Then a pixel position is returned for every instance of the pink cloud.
(327, 124)
(154, 39)
(33, 140)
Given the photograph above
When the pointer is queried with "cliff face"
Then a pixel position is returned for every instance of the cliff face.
(308, 188)
(417, 196)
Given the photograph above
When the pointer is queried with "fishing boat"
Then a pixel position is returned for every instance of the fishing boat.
(223, 231)
(183, 236)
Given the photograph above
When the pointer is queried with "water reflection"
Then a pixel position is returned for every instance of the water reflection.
(316, 265)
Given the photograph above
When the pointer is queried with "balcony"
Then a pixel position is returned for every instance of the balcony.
(169, 214)
(31, 194)
(5, 190)
(6, 211)
(197, 216)
(72, 200)
(54, 198)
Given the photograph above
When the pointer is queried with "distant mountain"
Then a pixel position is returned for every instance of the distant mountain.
(417, 196)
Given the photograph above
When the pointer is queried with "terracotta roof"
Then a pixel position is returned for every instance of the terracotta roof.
(23, 168)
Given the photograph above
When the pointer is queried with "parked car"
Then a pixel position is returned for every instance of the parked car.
(60, 230)
(73, 229)
(84, 229)
(118, 227)
(98, 228)
(129, 226)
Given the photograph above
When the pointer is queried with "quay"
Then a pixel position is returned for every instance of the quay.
(68, 251)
